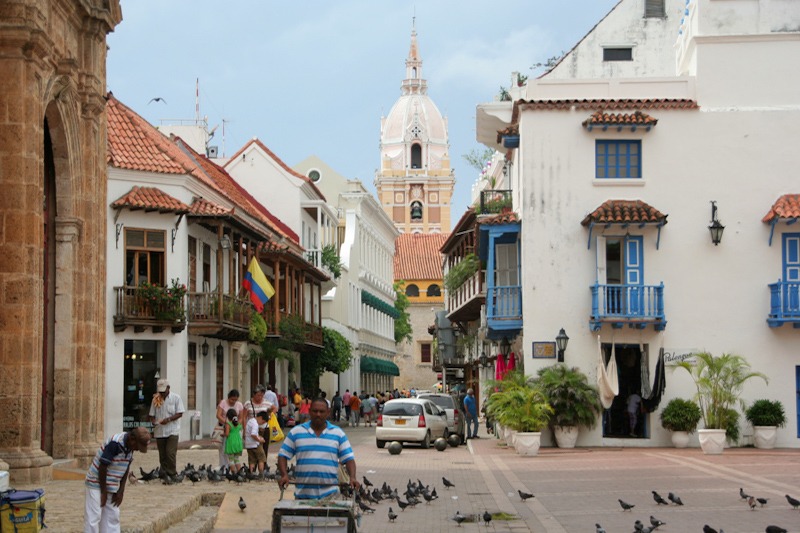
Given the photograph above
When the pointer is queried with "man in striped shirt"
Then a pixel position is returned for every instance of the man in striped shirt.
(319, 447)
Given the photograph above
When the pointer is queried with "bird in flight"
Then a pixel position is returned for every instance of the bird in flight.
(156, 99)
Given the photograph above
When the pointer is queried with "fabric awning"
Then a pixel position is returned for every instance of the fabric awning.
(373, 365)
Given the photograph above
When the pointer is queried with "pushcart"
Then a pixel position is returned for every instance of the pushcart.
(317, 516)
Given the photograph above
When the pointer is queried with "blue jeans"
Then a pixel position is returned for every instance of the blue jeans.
(472, 421)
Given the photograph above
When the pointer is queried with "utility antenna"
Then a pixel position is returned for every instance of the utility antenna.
(224, 121)
(197, 100)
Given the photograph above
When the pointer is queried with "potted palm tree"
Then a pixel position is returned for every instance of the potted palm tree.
(681, 418)
(513, 379)
(525, 410)
(575, 402)
(719, 382)
(766, 416)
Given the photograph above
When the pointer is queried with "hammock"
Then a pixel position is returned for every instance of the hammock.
(651, 402)
(607, 379)
(644, 370)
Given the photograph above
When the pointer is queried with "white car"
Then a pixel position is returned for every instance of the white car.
(410, 420)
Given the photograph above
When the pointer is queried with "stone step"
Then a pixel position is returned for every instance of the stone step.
(67, 470)
(200, 521)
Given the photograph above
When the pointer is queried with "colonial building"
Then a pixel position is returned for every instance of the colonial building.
(52, 171)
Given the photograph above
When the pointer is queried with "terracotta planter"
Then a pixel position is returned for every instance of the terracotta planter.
(566, 436)
(765, 436)
(712, 441)
(680, 439)
(527, 444)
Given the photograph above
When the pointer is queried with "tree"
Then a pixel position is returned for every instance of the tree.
(336, 356)
(402, 324)
(477, 157)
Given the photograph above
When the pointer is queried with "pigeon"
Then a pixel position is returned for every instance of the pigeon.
(525, 495)
(392, 515)
(743, 494)
(487, 517)
(638, 526)
(659, 500)
(775, 529)
(674, 499)
(794, 503)
(447, 483)
(459, 518)
(625, 505)
(156, 99)
(655, 522)
(752, 503)
(364, 507)
(150, 476)
(402, 504)
(242, 505)
(367, 483)
(599, 529)
(709, 529)
(427, 496)
(762, 501)
(433, 493)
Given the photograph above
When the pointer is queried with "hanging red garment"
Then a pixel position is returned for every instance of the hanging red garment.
(511, 363)
(500, 368)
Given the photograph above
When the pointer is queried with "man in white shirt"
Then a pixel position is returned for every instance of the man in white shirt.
(253, 442)
(166, 411)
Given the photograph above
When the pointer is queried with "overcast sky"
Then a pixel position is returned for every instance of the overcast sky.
(315, 76)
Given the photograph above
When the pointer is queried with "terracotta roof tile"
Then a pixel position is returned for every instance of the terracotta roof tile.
(624, 211)
(787, 206)
(201, 206)
(637, 118)
(416, 256)
(150, 199)
(495, 219)
(602, 104)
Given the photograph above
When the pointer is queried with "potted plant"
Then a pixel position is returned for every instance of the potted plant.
(719, 382)
(766, 416)
(575, 402)
(681, 418)
(524, 410)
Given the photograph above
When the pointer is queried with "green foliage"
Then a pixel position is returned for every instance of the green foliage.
(336, 354)
(719, 382)
(549, 63)
(766, 413)
(167, 303)
(461, 272)
(293, 331)
(402, 321)
(521, 79)
(575, 402)
(732, 425)
(257, 328)
(680, 415)
(522, 409)
(477, 157)
(331, 260)
(513, 379)
(504, 95)
(497, 205)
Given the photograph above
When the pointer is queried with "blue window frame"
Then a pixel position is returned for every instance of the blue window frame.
(618, 159)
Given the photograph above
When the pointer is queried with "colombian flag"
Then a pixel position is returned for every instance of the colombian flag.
(258, 285)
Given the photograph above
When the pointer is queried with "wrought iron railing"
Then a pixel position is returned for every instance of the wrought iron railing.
(495, 201)
(132, 309)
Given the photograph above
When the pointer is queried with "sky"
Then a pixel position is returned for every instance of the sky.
(314, 77)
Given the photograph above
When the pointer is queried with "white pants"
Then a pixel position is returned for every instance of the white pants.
(98, 519)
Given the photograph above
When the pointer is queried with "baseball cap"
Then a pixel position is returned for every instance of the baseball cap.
(162, 385)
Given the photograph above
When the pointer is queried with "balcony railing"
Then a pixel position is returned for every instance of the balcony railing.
(620, 304)
(504, 303)
(471, 289)
(495, 201)
(205, 307)
(134, 310)
(784, 303)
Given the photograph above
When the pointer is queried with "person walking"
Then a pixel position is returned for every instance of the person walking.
(233, 440)
(254, 440)
(305, 409)
(166, 411)
(255, 405)
(108, 474)
(319, 448)
(355, 408)
(471, 412)
(336, 414)
(366, 410)
(346, 402)
(231, 402)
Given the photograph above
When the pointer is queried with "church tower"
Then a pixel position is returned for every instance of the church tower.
(415, 181)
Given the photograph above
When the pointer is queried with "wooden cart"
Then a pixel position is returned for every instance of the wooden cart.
(306, 516)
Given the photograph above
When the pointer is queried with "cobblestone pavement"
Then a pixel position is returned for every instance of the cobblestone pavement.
(574, 490)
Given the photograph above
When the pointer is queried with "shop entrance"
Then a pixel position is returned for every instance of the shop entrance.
(141, 367)
(617, 419)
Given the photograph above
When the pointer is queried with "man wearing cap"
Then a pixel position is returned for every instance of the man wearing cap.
(108, 475)
(165, 415)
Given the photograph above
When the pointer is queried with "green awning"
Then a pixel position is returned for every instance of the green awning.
(373, 365)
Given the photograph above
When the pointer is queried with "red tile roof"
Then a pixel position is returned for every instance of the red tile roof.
(602, 104)
(624, 211)
(416, 256)
(787, 206)
(637, 118)
(201, 206)
(495, 219)
(150, 199)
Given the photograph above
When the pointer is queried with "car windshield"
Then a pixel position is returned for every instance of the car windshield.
(445, 402)
(402, 409)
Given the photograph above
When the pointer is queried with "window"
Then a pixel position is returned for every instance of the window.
(618, 54)
(412, 291)
(144, 256)
(620, 263)
(416, 156)
(192, 264)
(314, 175)
(191, 378)
(618, 159)
(416, 210)
(507, 266)
(220, 376)
(434, 290)
(206, 268)
(425, 352)
(654, 9)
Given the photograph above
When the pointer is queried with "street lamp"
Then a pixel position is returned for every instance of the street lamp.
(505, 347)
(220, 350)
(484, 361)
(204, 348)
(561, 344)
(716, 228)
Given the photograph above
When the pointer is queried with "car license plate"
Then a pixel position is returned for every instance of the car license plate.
(400, 422)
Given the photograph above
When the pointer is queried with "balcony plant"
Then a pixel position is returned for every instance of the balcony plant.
(719, 382)
(766, 416)
(575, 402)
(166, 303)
(681, 417)
(461, 272)
(331, 260)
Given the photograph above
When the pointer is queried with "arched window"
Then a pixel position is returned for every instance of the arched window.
(434, 290)
(416, 155)
(414, 71)
(416, 210)
(412, 291)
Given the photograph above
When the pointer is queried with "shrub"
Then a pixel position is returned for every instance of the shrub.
(680, 415)
(575, 402)
(766, 413)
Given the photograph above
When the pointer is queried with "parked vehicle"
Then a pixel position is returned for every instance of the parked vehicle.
(456, 423)
(410, 420)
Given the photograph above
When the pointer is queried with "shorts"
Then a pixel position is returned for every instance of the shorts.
(256, 455)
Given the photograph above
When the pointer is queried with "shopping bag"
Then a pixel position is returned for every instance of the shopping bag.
(216, 435)
(275, 433)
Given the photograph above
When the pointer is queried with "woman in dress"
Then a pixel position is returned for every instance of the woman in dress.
(231, 402)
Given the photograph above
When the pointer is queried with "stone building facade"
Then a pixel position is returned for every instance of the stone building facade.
(52, 244)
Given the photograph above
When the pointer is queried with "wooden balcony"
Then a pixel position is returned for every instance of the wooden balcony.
(784, 300)
(465, 302)
(220, 316)
(635, 305)
(134, 311)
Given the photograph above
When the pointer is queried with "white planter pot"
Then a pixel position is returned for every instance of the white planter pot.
(510, 436)
(765, 436)
(566, 436)
(527, 444)
(680, 439)
(712, 441)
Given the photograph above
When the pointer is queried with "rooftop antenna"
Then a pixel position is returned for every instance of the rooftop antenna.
(197, 100)
(224, 121)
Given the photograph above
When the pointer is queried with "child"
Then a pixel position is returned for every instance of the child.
(233, 439)
(253, 442)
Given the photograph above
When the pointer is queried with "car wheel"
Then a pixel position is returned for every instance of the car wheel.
(380, 443)
(426, 442)
(446, 433)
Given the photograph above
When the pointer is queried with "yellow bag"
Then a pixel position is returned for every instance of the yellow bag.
(275, 432)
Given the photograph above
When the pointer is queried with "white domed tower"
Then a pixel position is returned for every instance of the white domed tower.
(415, 181)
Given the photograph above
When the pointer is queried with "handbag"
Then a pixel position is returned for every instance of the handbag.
(216, 435)
(275, 432)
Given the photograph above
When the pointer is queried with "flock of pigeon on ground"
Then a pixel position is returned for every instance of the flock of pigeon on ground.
(639, 527)
(207, 473)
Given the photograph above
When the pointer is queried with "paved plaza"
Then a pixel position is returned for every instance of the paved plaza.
(574, 489)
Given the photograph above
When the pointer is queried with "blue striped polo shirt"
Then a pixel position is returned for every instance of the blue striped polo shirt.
(117, 457)
(318, 459)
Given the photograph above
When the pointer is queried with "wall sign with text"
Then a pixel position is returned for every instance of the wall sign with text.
(544, 350)
(672, 356)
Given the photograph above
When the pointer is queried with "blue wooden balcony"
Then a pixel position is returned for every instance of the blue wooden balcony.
(784, 304)
(503, 309)
(635, 305)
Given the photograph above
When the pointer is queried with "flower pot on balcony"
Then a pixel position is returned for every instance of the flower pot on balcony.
(511, 141)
